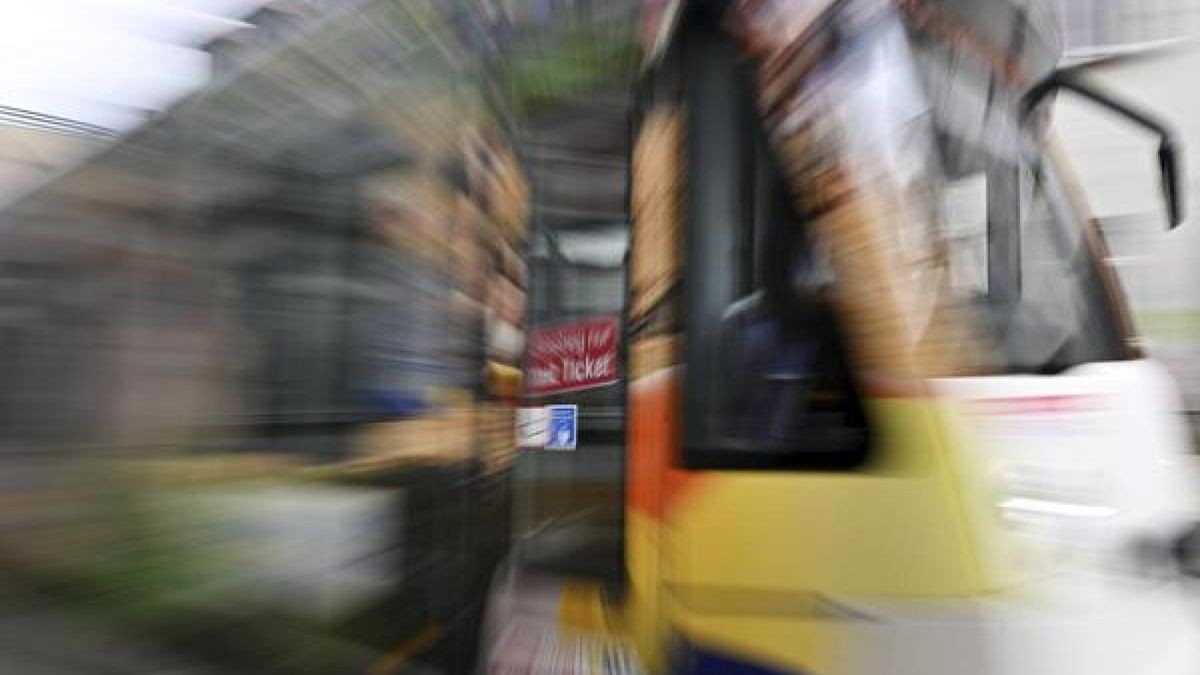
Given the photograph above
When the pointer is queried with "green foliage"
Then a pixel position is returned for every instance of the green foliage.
(580, 62)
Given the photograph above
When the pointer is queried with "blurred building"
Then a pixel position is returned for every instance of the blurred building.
(34, 146)
(268, 28)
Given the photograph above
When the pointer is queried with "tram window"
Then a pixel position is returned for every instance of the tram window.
(1039, 294)
(965, 219)
(768, 385)
(1018, 256)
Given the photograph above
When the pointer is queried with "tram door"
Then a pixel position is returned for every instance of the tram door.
(570, 488)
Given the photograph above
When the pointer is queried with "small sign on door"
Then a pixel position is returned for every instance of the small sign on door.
(531, 428)
(562, 425)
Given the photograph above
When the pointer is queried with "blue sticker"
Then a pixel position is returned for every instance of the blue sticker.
(562, 425)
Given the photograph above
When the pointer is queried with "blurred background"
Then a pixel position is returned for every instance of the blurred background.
(267, 273)
(263, 295)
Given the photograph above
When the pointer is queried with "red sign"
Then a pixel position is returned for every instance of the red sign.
(572, 356)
